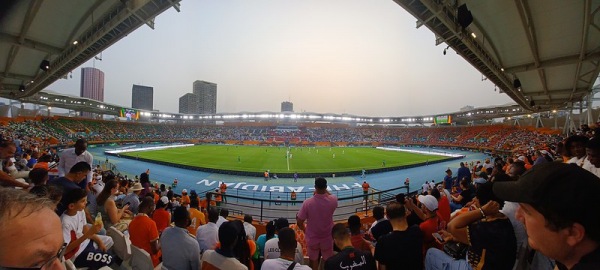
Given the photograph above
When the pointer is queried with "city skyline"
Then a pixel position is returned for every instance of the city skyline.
(355, 57)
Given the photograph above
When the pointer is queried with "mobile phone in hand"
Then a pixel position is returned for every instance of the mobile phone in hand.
(438, 237)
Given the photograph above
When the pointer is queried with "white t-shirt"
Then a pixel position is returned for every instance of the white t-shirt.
(425, 187)
(578, 161)
(272, 250)
(591, 168)
(250, 231)
(72, 227)
(281, 264)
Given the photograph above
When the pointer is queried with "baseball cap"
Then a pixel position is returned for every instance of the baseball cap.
(164, 199)
(429, 201)
(184, 191)
(482, 174)
(480, 181)
(448, 170)
(554, 189)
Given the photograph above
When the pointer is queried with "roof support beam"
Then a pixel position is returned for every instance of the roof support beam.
(526, 21)
(33, 9)
(558, 92)
(584, 38)
(556, 62)
(28, 43)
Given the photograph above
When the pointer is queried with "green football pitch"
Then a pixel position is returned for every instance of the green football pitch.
(276, 159)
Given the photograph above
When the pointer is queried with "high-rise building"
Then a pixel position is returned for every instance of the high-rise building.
(287, 106)
(142, 97)
(188, 103)
(92, 86)
(207, 95)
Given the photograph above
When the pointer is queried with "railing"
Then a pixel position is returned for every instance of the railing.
(268, 209)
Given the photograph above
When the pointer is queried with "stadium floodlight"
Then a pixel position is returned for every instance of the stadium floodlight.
(45, 65)
(22, 88)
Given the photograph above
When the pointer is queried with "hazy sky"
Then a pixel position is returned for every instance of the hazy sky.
(339, 56)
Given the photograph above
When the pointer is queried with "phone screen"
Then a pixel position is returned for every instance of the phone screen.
(438, 237)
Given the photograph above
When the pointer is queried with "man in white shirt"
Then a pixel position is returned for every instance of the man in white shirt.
(207, 234)
(249, 228)
(288, 245)
(72, 156)
(222, 216)
(272, 249)
(592, 162)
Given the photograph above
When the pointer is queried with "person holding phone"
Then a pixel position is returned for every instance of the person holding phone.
(489, 234)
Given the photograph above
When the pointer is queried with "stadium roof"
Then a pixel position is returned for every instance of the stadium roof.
(66, 33)
(551, 48)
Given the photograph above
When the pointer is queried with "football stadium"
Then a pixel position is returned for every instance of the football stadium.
(404, 181)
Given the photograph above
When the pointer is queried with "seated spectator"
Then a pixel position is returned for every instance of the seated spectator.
(575, 149)
(243, 248)
(197, 217)
(38, 176)
(133, 199)
(288, 247)
(465, 196)
(185, 198)
(357, 238)
(349, 256)
(179, 250)
(32, 236)
(401, 248)
(70, 181)
(382, 226)
(207, 234)
(489, 234)
(85, 248)
(145, 181)
(562, 229)
(143, 232)
(161, 216)
(272, 245)
(223, 213)
(51, 192)
(223, 257)
(442, 195)
(262, 239)
(432, 223)
(250, 229)
(107, 207)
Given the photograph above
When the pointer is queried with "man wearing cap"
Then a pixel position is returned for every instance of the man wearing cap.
(318, 211)
(185, 198)
(133, 198)
(566, 230)
(432, 223)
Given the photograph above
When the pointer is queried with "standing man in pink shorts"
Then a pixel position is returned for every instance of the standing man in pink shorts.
(318, 210)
